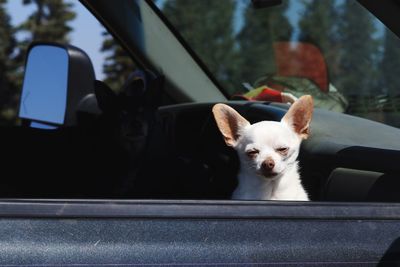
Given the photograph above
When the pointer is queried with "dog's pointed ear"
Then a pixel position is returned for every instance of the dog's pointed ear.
(299, 116)
(229, 122)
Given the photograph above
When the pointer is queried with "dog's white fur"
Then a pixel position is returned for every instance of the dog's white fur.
(267, 151)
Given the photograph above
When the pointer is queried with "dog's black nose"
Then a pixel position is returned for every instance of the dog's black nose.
(268, 164)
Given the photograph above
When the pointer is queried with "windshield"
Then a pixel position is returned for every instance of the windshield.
(334, 50)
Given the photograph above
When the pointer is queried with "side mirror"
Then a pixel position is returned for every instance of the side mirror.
(57, 78)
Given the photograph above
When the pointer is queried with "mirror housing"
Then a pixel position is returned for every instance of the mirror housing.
(57, 79)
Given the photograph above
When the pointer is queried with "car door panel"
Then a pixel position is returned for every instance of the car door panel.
(197, 233)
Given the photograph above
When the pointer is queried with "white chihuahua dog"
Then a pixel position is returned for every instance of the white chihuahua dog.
(267, 151)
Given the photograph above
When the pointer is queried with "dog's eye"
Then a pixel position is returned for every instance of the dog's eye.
(282, 150)
(252, 153)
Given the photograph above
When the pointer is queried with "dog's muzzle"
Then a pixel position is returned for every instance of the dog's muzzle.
(267, 168)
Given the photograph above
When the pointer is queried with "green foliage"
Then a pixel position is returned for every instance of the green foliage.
(325, 14)
(207, 26)
(390, 64)
(318, 25)
(233, 58)
(117, 65)
(345, 35)
(49, 22)
(8, 80)
(358, 50)
(261, 28)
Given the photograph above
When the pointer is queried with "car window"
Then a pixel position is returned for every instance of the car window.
(23, 22)
(334, 50)
(135, 144)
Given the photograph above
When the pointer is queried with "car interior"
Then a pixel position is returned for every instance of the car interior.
(138, 174)
(141, 143)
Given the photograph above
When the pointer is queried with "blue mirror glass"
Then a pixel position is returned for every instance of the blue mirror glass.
(44, 92)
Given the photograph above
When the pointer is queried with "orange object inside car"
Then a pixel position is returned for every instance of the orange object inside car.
(304, 60)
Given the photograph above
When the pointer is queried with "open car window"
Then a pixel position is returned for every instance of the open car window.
(146, 130)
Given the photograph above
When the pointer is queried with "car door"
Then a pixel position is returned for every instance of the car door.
(197, 233)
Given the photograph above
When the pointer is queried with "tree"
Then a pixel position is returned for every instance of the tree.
(261, 28)
(8, 81)
(118, 65)
(390, 64)
(207, 27)
(358, 51)
(49, 22)
(318, 25)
